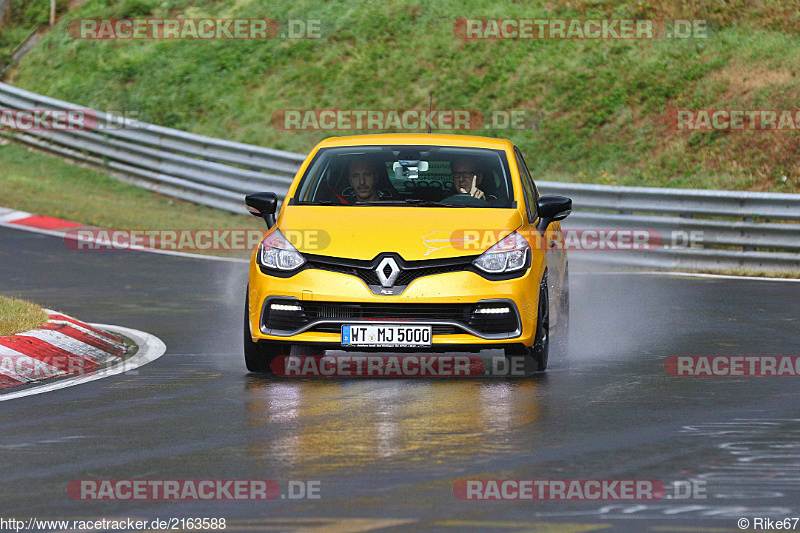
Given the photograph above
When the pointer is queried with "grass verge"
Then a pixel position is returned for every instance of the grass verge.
(48, 186)
(17, 316)
(748, 273)
(599, 106)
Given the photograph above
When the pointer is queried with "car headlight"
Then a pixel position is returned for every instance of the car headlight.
(277, 253)
(508, 255)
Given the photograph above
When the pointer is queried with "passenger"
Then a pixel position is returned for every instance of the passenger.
(467, 178)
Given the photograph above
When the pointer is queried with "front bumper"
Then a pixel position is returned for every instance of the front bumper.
(329, 299)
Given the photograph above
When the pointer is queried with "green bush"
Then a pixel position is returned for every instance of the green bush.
(32, 12)
(135, 8)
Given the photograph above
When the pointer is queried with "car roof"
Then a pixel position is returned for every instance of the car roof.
(435, 139)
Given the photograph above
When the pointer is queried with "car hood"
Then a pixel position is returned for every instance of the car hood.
(413, 232)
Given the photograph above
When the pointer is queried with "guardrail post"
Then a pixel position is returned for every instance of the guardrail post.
(748, 248)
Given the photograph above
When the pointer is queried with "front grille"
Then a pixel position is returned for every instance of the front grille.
(409, 270)
(336, 313)
(407, 276)
(415, 312)
(367, 275)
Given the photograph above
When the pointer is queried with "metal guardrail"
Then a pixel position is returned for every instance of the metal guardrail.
(756, 231)
(732, 229)
(192, 167)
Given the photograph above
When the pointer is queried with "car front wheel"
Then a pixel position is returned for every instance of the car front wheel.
(541, 345)
(258, 356)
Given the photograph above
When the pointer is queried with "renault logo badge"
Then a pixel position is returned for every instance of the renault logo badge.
(387, 271)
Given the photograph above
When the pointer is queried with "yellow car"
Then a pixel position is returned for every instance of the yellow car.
(408, 242)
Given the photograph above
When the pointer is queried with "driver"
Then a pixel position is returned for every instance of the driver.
(363, 176)
(467, 178)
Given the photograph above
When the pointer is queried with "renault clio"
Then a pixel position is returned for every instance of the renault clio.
(408, 242)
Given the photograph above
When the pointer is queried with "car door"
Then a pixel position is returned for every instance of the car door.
(552, 240)
(529, 192)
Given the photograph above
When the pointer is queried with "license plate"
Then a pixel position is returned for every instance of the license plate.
(380, 335)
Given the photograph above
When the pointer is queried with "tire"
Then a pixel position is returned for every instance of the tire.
(538, 353)
(541, 344)
(258, 356)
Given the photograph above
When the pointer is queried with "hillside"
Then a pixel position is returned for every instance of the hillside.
(598, 107)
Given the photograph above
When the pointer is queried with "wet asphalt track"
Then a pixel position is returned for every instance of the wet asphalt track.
(389, 451)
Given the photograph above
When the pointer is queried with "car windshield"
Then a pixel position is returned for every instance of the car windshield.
(414, 176)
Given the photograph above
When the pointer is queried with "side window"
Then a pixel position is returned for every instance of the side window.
(527, 186)
(530, 178)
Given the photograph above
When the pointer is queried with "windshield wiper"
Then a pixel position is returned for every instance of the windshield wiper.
(407, 201)
(380, 202)
(412, 201)
(429, 203)
(321, 202)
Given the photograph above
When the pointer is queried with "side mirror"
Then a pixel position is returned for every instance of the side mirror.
(552, 208)
(263, 205)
